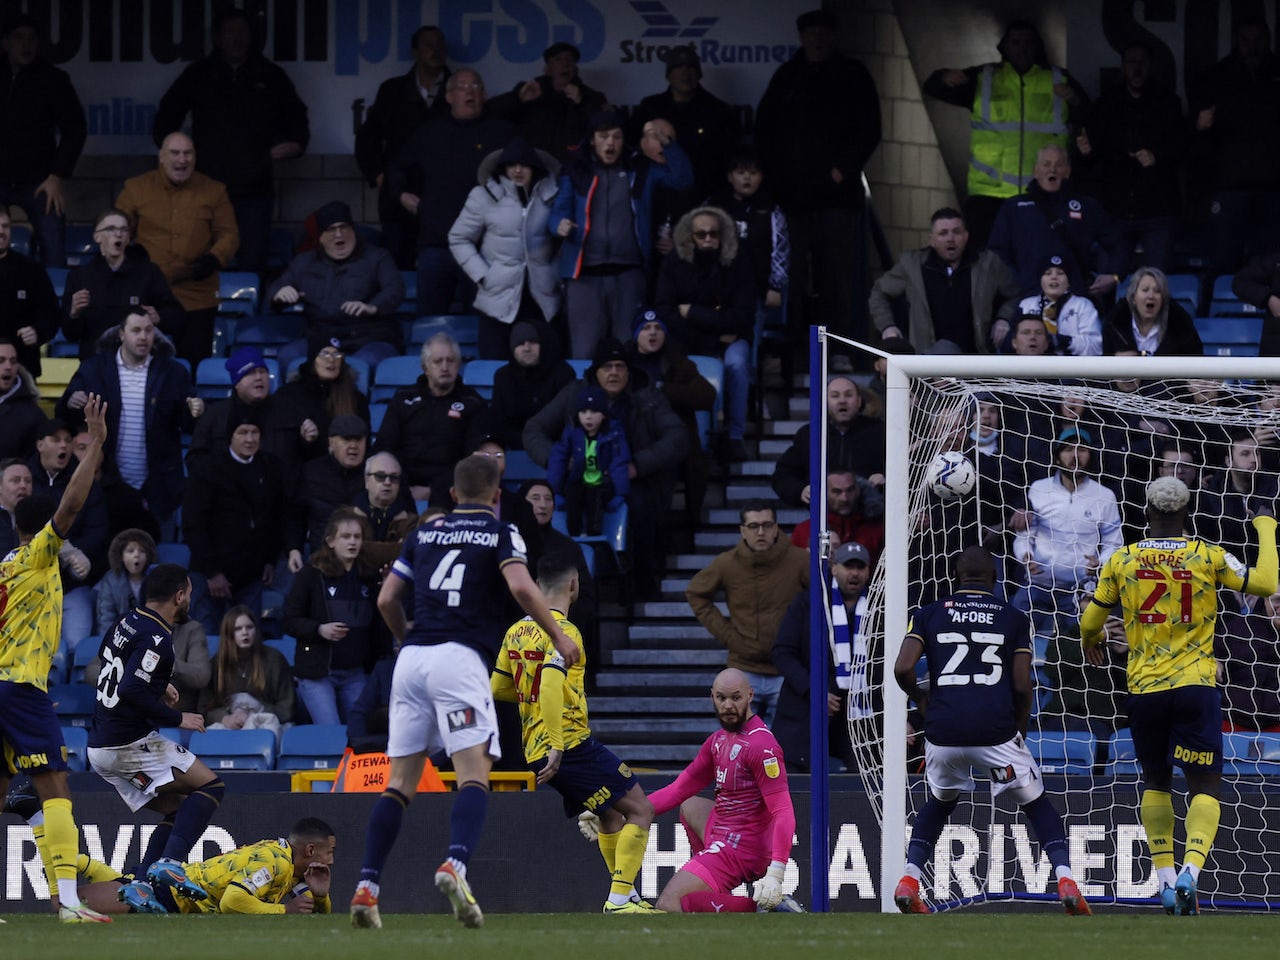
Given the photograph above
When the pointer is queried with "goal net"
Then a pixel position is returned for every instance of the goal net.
(1018, 420)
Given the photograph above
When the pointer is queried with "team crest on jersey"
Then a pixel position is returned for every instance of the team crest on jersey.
(455, 410)
(772, 769)
(261, 878)
(733, 753)
(1003, 774)
(150, 660)
(624, 771)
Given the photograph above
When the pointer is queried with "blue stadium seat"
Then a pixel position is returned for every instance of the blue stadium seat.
(1240, 754)
(77, 741)
(613, 532)
(287, 645)
(176, 734)
(589, 554)
(478, 374)
(463, 327)
(60, 346)
(392, 374)
(238, 293)
(235, 749)
(409, 305)
(79, 245)
(1121, 758)
(312, 746)
(377, 413)
(712, 371)
(520, 467)
(269, 333)
(358, 367)
(214, 383)
(280, 248)
(20, 239)
(73, 703)
(1063, 751)
(1266, 750)
(58, 667)
(212, 640)
(58, 277)
(580, 367)
(1226, 336)
(85, 653)
(178, 553)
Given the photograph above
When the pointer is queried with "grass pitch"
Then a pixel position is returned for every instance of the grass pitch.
(976, 934)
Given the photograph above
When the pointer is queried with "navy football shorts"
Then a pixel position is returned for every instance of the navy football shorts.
(1180, 727)
(30, 730)
(591, 777)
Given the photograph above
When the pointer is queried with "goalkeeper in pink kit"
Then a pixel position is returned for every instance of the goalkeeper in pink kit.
(747, 832)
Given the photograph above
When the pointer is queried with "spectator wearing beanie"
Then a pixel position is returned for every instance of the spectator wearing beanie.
(332, 481)
(589, 464)
(525, 385)
(321, 389)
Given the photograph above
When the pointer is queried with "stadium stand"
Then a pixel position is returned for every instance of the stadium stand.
(235, 749)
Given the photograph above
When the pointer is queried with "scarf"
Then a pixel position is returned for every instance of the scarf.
(851, 656)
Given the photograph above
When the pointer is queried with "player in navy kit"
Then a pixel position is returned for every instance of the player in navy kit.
(135, 699)
(977, 706)
(458, 566)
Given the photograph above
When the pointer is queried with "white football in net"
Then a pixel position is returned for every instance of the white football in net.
(951, 475)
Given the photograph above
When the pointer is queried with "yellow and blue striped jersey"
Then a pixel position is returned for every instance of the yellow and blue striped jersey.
(526, 655)
(31, 609)
(1168, 590)
(263, 870)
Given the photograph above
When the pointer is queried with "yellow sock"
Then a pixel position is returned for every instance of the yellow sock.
(1157, 820)
(42, 847)
(632, 841)
(608, 849)
(63, 841)
(94, 871)
(1202, 825)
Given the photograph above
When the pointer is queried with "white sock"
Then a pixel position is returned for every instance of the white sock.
(618, 899)
(1062, 872)
(1191, 869)
(369, 885)
(1168, 876)
(67, 893)
(914, 872)
(459, 866)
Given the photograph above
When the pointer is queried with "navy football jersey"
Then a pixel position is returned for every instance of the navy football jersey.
(137, 664)
(969, 641)
(455, 565)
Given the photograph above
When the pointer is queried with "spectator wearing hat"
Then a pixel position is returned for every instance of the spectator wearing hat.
(1072, 525)
(526, 384)
(706, 127)
(552, 110)
(847, 676)
(433, 173)
(119, 278)
(1071, 321)
(1149, 322)
(501, 242)
(670, 371)
(604, 212)
(20, 413)
(349, 291)
(323, 387)
(28, 305)
(655, 435)
(817, 126)
(401, 105)
(236, 518)
(758, 577)
(589, 464)
(434, 423)
(150, 404)
(185, 222)
(706, 294)
(333, 480)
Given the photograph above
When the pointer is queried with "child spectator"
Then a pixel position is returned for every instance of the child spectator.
(588, 465)
(252, 684)
(762, 226)
(1073, 323)
(130, 556)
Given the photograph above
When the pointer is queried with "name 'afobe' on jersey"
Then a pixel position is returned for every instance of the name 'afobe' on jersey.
(972, 616)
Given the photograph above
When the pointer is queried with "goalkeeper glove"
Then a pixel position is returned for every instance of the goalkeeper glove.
(589, 825)
(768, 890)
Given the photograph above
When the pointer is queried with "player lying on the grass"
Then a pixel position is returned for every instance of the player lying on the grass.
(1167, 586)
(287, 875)
(746, 832)
(976, 709)
(557, 740)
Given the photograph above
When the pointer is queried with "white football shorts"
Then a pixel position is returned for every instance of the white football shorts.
(1009, 766)
(138, 770)
(440, 698)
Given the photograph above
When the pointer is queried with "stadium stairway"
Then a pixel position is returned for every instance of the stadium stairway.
(650, 702)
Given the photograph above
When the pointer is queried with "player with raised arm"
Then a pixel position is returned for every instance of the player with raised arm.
(557, 740)
(30, 627)
(746, 832)
(135, 699)
(456, 566)
(976, 708)
(1166, 585)
(286, 875)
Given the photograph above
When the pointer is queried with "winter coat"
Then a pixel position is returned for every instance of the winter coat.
(113, 294)
(501, 241)
(369, 275)
(1181, 339)
(20, 417)
(27, 300)
(569, 458)
(42, 124)
(520, 392)
(277, 698)
(861, 449)
(1067, 530)
(308, 606)
(430, 434)
(1079, 327)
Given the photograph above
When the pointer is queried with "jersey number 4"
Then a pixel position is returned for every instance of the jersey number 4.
(448, 576)
(988, 643)
(1159, 589)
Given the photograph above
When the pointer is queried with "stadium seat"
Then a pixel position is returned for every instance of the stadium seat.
(85, 653)
(580, 367)
(79, 244)
(712, 371)
(1228, 336)
(58, 667)
(280, 248)
(463, 327)
(58, 277)
(60, 346)
(73, 703)
(214, 383)
(238, 293)
(55, 374)
(1183, 287)
(212, 640)
(269, 333)
(20, 239)
(1121, 758)
(358, 367)
(176, 734)
(409, 305)
(178, 553)
(392, 374)
(77, 741)
(235, 749)
(478, 374)
(1063, 751)
(589, 554)
(1240, 754)
(613, 532)
(312, 746)
(520, 467)
(377, 413)
(1266, 750)
(287, 645)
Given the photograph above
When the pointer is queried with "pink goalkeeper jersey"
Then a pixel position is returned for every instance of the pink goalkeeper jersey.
(752, 802)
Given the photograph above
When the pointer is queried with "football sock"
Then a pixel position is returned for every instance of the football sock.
(1202, 825)
(94, 871)
(1047, 826)
(1157, 819)
(194, 814)
(707, 901)
(913, 871)
(927, 829)
(467, 820)
(380, 835)
(156, 845)
(63, 841)
(42, 847)
(609, 850)
(632, 840)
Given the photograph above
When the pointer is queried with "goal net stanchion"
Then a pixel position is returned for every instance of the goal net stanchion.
(987, 852)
